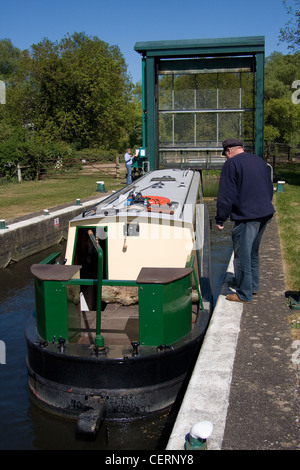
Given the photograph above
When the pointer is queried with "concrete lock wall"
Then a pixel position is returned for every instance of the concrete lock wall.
(28, 237)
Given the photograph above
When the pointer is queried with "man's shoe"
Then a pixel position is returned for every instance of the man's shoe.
(235, 298)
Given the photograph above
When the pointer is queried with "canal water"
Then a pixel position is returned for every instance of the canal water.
(23, 426)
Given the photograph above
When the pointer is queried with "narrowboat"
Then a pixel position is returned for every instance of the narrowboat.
(119, 321)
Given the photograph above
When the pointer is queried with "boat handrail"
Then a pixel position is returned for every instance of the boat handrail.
(51, 259)
(99, 340)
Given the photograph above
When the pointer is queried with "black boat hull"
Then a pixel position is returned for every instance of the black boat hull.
(67, 384)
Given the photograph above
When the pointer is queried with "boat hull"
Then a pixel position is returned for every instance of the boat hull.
(67, 384)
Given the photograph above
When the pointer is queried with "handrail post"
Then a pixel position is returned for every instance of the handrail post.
(99, 340)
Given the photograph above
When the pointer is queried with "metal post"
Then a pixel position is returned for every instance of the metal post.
(259, 111)
(144, 102)
(151, 112)
(99, 340)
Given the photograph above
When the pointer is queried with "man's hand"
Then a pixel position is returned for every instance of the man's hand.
(219, 227)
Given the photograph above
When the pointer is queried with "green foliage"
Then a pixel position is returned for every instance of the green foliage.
(287, 205)
(9, 58)
(33, 159)
(291, 32)
(75, 91)
(282, 116)
(82, 94)
(281, 70)
(97, 155)
(14, 152)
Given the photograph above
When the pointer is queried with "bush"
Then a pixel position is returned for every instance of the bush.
(57, 159)
(12, 153)
(34, 159)
(97, 155)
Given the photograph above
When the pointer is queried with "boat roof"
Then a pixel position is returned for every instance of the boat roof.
(180, 187)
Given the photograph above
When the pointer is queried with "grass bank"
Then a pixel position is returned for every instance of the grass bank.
(18, 199)
(287, 205)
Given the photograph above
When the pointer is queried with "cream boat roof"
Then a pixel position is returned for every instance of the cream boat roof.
(179, 186)
(163, 240)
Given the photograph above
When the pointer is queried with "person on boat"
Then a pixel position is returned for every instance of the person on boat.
(128, 164)
(245, 195)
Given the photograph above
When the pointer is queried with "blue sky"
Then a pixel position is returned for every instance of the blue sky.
(125, 22)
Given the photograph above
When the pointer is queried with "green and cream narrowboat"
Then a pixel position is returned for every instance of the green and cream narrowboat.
(119, 323)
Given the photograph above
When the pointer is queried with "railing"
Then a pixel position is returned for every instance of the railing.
(202, 158)
(280, 153)
(165, 301)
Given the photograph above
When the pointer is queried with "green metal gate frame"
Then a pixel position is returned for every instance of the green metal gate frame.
(181, 55)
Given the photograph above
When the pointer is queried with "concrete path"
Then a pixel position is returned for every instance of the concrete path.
(246, 380)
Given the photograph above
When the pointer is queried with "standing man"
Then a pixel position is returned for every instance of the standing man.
(245, 195)
(128, 164)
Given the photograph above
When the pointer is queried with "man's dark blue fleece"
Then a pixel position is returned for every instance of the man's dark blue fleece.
(245, 189)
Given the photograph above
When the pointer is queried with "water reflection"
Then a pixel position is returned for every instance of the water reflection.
(210, 186)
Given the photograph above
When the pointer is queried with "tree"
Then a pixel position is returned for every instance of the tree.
(291, 33)
(62, 96)
(9, 59)
(282, 116)
(81, 92)
(11, 73)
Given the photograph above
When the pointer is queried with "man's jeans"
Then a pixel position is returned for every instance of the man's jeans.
(246, 238)
(128, 177)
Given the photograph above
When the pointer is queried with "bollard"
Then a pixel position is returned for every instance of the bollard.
(199, 433)
(280, 186)
(101, 187)
(2, 224)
